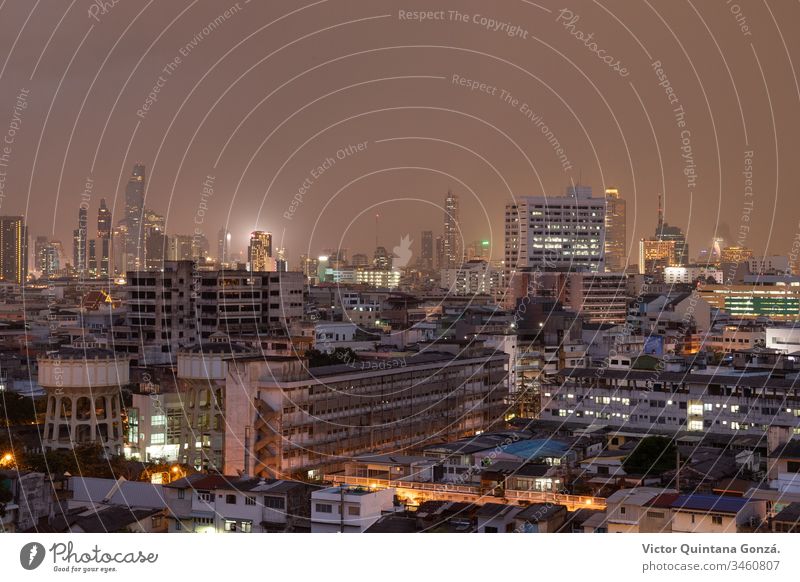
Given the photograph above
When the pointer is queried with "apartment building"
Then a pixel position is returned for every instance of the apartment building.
(224, 504)
(713, 400)
(181, 305)
(235, 410)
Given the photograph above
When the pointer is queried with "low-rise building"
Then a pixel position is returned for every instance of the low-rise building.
(223, 504)
(703, 513)
(349, 509)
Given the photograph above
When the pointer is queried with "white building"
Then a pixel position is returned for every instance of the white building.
(557, 233)
(784, 339)
(223, 504)
(768, 265)
(471, 278)
(675, 275)
(348, 509)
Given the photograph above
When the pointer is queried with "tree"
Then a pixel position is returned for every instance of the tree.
(318, 359)
(653, 455)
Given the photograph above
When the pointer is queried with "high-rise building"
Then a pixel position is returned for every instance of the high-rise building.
(179, 247)
(382, 259)
(451, 239)
(104, 236)
(555, 233)
(426, 250)
(13, 249)
(281, 263)
(666, 232)
(91, 259)
(223, 246)
(47, 256)
(259, 253)
(40, 246)
(134, 211)
(656, 255)
(616, 235)
(439, 256)
(80, 242)
(154, 240)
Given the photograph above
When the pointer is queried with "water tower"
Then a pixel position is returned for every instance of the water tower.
(83, 397)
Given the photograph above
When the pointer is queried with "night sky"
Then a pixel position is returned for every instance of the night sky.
(664, 96)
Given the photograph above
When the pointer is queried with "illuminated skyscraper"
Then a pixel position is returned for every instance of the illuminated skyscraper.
(555, 233)
(656, 255)
(426, 250)
(80, 244)
(134, 210)
(615, 243)
(104, 236)
(13, 249)
(259, 253)
(451, 239)
(223, 246)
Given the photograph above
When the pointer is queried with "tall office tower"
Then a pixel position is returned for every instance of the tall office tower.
(223, 246)
(309, 266)
(200, 247)
(80, 242)
(104, 236)
(13, 249)
(179, 247)
(451, 239)
(154, 240)
(259, 253)
(281, 263)
(134, 210)
(615, 243)
(438, 253)
(40, 248)
(666, 232)
(563, 233)
(119, 237)
(426, 250)
(91, 259)
(49, 261)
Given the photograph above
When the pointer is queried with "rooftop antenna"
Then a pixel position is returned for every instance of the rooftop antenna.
(377, 228)
(660, 227)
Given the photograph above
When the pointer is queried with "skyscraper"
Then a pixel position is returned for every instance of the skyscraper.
(134, 210)
(13, 249)
(451, 239)
(154, 240)
(555, 233)
(616, 234)
(104, 236)
(666, 232)
(426, 250)
(223, 246)
(80, 245)
(259, 253)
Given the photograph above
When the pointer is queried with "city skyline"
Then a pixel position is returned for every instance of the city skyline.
(632, 160)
